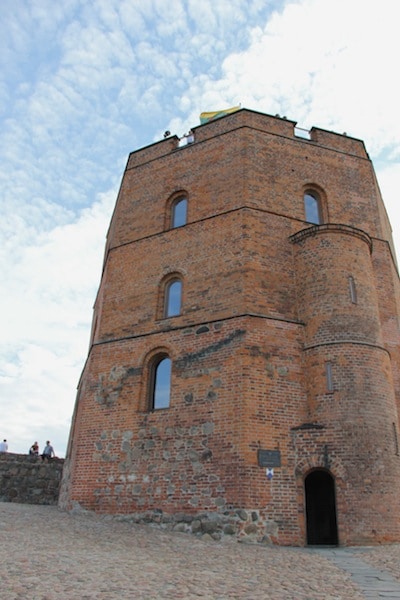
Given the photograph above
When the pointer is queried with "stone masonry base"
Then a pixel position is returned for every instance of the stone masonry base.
(248, 526)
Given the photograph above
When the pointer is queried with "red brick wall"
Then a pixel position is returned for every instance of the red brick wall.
(264, 309)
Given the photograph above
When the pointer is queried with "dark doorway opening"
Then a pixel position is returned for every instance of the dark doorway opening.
(321, 509)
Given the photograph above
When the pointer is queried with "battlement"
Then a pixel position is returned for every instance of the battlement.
(271, 125)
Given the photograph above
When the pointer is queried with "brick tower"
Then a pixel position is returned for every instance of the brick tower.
(243, 371)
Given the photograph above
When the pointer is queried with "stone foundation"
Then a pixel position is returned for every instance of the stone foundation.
(247, 526)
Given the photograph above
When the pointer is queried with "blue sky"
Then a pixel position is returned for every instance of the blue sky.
(85, 82)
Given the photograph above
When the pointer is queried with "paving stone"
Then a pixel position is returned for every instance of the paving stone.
(47, 554)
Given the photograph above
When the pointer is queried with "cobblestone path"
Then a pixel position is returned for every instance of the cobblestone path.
(46, 554)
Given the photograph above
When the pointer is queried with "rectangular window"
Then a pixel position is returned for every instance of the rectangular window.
(353, 290)
(328, 373)
(396, 441)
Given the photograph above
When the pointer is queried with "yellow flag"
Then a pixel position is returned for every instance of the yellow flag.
(205, 117)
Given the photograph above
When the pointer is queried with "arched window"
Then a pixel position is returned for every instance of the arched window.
(160, 382)
(179, 212)
(312, 207)
(173, 298)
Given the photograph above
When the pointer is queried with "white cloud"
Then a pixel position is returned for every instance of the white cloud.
(332, 76)
(51, 286)
(326, 64)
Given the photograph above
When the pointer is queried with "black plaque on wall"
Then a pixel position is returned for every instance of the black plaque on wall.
(269, 458)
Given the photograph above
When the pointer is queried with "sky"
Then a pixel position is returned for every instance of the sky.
(85, 82)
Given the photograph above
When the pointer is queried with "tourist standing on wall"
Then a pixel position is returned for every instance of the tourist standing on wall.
(3, 446)
(48, 451)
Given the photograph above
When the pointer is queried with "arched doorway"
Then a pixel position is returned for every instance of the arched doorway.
(320, 508)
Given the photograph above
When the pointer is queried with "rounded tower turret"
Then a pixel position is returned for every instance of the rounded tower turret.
(348, 375)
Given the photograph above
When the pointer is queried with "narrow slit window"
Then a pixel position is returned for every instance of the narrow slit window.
(160, 383)
(329, 379)
(312, 208)
(173, 298)
(396, 440)
(353, 290)
(179, 213)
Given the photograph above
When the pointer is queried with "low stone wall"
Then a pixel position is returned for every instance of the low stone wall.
(29, 479)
